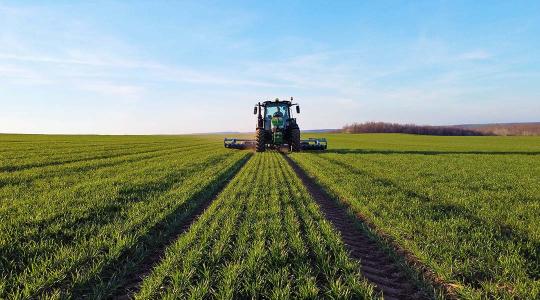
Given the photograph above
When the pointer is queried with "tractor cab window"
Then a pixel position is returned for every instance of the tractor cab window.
(277, 110)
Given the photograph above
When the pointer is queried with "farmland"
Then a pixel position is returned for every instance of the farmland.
(465, 206)
(180, 216)
(268, 240)
(79, 213)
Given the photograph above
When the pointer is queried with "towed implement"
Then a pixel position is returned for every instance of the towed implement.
(276, 128)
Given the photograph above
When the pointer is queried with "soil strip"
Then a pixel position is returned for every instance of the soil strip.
(376, 264)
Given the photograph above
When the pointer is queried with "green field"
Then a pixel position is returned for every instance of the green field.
(79, 212)
(264, 238)
(82, 215)
(468, 207)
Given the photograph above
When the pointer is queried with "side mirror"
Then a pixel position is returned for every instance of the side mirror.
(297, 109)
(255, 110)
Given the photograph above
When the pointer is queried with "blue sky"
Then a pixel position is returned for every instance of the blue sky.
(146, 67)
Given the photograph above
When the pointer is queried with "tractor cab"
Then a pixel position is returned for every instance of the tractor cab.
(276, 115)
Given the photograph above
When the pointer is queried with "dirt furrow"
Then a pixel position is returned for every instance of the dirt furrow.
(375, 263)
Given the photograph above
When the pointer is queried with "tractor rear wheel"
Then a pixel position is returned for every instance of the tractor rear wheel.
(295, 140)
(261, 144)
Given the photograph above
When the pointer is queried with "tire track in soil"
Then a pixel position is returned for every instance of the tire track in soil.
(375, 264)
(131, 287)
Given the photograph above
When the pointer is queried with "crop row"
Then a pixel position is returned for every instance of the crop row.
(81, 228)
(263, 237)
(18, 156)
(26, 179)
(472, 218)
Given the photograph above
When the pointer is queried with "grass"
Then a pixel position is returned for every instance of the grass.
(78, 213)
(465, 206)
(82, 214)
(262, 238)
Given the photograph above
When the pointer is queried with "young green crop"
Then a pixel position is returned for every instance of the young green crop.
(263, 237)
(74, 228)
(465, 206)
(80, 213)
(23, 152)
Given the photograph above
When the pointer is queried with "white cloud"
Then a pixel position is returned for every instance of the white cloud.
(475, 55)
(121, 91)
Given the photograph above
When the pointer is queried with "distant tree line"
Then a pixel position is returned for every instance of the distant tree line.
(510, 129)
(382, 127)
(465, 130)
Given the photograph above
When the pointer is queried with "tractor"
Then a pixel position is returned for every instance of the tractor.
(276, 129)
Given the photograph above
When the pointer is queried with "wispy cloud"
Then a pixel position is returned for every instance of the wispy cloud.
(94, 60)
(121, 91)
(475, 55)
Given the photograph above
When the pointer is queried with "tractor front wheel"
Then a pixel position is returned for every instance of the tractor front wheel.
(295, 140)
(261, 143)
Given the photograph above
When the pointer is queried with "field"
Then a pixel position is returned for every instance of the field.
(181, 216)
(79, 214)
(262, 237)
(465, 206)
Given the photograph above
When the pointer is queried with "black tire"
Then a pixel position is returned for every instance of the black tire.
(295, 140)
(261, 144)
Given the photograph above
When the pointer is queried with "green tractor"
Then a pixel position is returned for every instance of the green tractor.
(276, 128)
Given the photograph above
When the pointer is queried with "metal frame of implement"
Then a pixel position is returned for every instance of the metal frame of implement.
(309, 144)
(239, 143)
